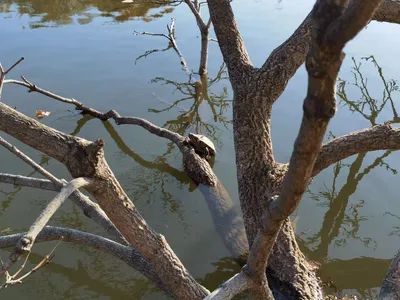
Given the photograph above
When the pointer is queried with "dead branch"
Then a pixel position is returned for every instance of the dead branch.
(171, 38)
(196, 13)
(86, 159)
(90, 209)
(25, 244)
(234, 286)
(4, 73)
(112, 114)
(14, 279)
(125, 253)
(336, 25)
(29, 161)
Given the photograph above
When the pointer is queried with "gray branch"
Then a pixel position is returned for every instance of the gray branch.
(125, 253)
(26, 242)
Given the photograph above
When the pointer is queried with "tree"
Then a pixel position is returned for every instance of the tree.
(269, 191)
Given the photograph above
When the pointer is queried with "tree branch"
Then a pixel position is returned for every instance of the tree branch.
(171, 38)
(196, 14)
(86, 159)
(112, 114)
(285, 60)
(4, 73)
(391, 284)
(230, 42)
(323, 64)
(29, 161)
(379, 137)
(26, 242)
(125, 253)
(234, 286)
(89, 208)
(388, 11)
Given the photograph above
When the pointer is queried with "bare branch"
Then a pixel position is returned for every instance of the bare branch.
(25, 244)
(86, 159)
(29, 161)
(391, 284)
(323, 64)
(171, 38)
(379, 137)
(234, 286)
(161, 132)
(125, 253)
(89, 208)
(4, 73)
(231, 43)
(12, 280)
(196, 13)
(388, 11)
(285, 60)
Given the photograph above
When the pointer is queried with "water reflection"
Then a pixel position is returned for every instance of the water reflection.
(204, 107)
(61, 12)
(11, 192)
(343, 219)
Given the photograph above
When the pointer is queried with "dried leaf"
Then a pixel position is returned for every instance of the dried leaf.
(42, 113)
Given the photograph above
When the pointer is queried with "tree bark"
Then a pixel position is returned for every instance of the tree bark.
(85, 159)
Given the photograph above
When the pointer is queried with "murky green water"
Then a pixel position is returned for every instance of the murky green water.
(348, 221)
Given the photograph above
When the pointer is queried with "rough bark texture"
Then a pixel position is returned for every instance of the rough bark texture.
(85, 159)
(391, 284)
(125, 253)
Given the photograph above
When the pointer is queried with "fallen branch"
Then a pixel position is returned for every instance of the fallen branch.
(12, 280)
(125, 253)
(4, 73)
(112, 114)
(90, 209)
(234, 286)
(86, 159)
(29, 161)
(26, 242)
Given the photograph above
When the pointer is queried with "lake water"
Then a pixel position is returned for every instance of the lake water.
(348, 221)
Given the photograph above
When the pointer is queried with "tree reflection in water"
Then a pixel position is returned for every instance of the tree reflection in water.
(59, 12)
(343, 219)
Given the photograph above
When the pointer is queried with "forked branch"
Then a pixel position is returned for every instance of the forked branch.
(335, 26)
(26, 242)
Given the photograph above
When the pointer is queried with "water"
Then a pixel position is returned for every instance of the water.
(348, 221)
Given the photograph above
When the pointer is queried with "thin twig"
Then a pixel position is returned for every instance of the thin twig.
(171, 39)
(162, 132)
(29, 161)
(4, 73)
(89, 208)
(196, 14)
(25, 244)
(12, 280)
(125, 253)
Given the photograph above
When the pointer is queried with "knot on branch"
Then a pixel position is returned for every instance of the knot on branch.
(24, 244)
(84, 157)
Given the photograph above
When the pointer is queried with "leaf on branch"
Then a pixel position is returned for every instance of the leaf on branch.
(42, 113)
